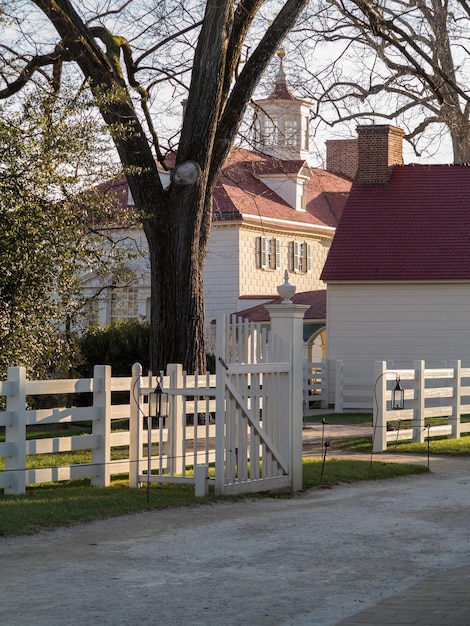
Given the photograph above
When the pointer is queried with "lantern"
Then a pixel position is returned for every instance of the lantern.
(398, 396)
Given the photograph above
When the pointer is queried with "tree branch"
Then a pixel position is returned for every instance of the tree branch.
(31, 68)
(248, 79)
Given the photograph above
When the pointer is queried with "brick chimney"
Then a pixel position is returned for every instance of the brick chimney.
(380, 147)
(342, 156)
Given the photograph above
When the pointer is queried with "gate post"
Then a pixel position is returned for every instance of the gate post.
(287, 321)
(379, 415)
(176, 420)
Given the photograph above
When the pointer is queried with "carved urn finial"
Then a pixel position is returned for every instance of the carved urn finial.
(286, 290)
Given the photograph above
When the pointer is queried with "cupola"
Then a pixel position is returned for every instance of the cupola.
(281, 124)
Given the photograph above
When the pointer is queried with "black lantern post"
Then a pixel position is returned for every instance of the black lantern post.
(398, 396)
(155, 412)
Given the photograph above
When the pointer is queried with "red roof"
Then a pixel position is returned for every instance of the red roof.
(240, 194)
(315, 299)
(416, 227)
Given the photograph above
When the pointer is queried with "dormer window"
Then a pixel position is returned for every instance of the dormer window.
(130, 199)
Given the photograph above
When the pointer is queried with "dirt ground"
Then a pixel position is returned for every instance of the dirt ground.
(312, 559)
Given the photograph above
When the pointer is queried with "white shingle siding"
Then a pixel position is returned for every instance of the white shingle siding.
(233, 267)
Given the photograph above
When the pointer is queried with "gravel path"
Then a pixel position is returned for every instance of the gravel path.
(313, 559)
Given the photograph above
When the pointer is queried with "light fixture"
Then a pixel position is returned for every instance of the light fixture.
(398, 396)
(158, 410)
(158, 406)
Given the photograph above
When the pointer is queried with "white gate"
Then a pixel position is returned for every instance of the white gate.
(253, 427)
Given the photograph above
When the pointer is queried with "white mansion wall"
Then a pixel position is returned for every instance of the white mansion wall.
(221, 271)
(398, 323)
(233, 268)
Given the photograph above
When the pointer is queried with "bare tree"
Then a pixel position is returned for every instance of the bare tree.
(405, 60)
(123, 51)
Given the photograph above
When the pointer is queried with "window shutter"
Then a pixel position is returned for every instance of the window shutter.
(308, 249)
(263, 252)
(277, 248)
(297, 256)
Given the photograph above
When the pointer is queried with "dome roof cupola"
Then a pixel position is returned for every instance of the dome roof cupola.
(281, 123)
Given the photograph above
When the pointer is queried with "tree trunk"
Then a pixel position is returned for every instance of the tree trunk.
(459, 129)
(177, 249)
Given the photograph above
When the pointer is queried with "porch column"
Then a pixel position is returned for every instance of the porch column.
(287, 321)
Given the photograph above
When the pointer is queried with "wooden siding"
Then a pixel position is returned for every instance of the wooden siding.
(221, 272)
(397, 323)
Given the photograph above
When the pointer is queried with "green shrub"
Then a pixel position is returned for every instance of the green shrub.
(120, 346)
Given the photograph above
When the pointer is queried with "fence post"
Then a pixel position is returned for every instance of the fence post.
(221, 352)
(136, 426)
(339, 390)
(455, 419)
(324, 383)
(201, 473)
(419, 401)
(101, 456)
(16, 432)
(287, 321)
(174, 421)
(379, 419)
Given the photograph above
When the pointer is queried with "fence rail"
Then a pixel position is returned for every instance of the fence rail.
(190, 413)
(315, 386)
(428, 393)
(183, 438)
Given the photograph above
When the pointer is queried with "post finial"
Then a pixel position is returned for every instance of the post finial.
(286, 290)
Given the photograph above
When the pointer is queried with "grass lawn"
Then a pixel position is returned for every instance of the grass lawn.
(437, 445)
(339, 419)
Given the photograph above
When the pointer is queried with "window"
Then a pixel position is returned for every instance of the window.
(301, 257)
(124, 297)
(90, 313)
(124, 304)
(290, 132)
(270, 253)
(271, 132)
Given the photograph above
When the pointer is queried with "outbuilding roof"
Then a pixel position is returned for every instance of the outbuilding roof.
(416, 227)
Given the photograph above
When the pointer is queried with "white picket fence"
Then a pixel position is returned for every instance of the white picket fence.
(182, 439)
(257, 407)
(428, 392)
(173, 416)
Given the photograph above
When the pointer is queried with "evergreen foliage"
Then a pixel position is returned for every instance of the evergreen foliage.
(49, 152)
(120, 345)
